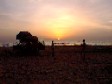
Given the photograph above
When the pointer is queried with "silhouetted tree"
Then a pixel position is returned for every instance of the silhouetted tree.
(28, 43)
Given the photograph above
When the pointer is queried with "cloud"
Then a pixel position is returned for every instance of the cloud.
(94, 1)
(33, 14)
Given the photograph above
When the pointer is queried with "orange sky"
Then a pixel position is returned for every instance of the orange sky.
(57, 19)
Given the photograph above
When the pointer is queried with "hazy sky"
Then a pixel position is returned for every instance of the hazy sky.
(57, 19)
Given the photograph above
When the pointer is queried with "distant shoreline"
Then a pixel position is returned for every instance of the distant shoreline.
(62, 44)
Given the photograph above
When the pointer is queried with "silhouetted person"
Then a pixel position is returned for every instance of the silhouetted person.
(83, 49)
(52, 47)
(84, 44)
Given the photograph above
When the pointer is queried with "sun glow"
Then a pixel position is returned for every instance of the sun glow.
(59, 27)
(60, 23)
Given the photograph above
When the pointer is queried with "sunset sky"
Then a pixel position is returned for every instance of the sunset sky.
(68, 20)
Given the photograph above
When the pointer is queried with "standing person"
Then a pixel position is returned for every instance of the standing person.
(83, 49)
(84, 44)
(52, 47)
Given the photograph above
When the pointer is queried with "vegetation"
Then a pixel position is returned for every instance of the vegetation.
(67, 66)
(28, 44)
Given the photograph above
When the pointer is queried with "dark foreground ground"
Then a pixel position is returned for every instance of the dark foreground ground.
(66, 67)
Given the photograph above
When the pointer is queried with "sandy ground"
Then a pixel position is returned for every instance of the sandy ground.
(66, 67)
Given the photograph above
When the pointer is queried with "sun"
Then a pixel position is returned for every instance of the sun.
(59, 39)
